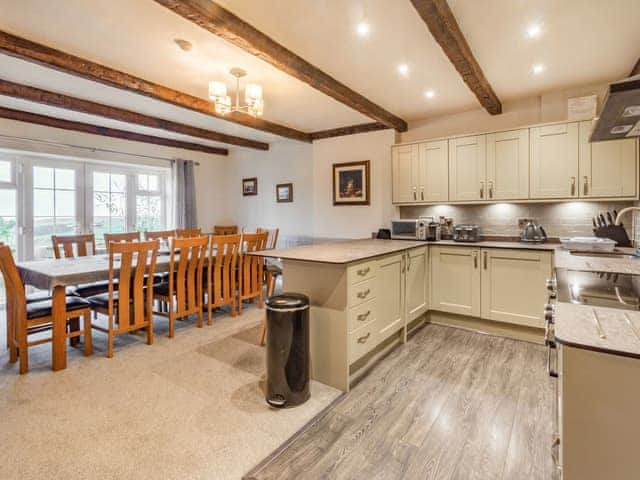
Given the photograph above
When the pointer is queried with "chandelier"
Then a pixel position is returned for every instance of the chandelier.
(252, 96)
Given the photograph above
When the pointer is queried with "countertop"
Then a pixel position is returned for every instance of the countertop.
(564, 259)
(576, 326)
(550, 246)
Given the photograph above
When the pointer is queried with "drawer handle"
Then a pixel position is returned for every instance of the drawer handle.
(573, 186)
(363, 271)
(364, 339)
(364, 294)
(363, 316)
(586, 184)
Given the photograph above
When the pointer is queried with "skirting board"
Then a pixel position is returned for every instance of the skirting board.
(490, 327)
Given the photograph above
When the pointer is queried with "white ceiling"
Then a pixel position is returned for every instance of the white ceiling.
(582, 42)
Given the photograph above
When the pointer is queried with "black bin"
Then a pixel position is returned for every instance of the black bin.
(287, 350)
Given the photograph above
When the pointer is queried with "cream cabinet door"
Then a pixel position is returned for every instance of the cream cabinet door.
(467, 168)
(390, 295)
(455, 280)
(417, 282)
(404, 168)
(508, 165)
(433, 171)
(607, 169)
(554, 161)
(513, 285)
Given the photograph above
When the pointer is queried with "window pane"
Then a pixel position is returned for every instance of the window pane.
(43, 228)
(142, 206)
(65, 203)
(117, 206)
(5, 171)
(43, 203)
(66, 226)
(42, 177)
(154, 183)
(100, 204)
(118, 183)
(118, 225)
(65, 179)
(101, 181)
(155, 206)
(8, 231)
(143, 182)
(8, 202)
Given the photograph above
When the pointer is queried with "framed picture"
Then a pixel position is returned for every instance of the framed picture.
(249, 186)
(284, 192)
(351, 183)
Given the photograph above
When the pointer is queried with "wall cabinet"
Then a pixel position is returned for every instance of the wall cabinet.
(607, 169)
(455, 280)
(417, 282)
(554, 161)
(404, 168)
(420, 172)
(467, 168)
(508, 165)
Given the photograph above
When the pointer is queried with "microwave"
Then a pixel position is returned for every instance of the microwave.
(409, 229)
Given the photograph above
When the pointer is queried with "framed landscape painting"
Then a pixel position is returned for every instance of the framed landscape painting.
(249, 186)
(284, 192)
(351, 183)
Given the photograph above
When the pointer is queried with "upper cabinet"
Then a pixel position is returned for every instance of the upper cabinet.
(420, 172)
(468, 168)
(404, 166)
(554, 161)
(508, 165)
(607, 169)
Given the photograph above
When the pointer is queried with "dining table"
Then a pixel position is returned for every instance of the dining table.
(56, 275)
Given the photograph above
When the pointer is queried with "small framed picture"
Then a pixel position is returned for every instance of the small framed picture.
(249, 186)
(351, 183)
(284, 192)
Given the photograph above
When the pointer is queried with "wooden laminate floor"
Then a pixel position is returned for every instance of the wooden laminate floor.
(450, 404)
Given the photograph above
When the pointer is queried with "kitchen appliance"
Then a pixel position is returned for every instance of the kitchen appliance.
(466, 233)
(620, 116)
(597, 289)
(409, 229)
(533, 233)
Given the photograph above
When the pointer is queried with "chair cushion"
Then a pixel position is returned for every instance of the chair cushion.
(43, 308)
(161, 289)
(38, 296)
(274, 269)
(90, 289)
(102, 299)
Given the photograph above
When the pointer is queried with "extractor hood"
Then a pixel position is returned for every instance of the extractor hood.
(620, 116)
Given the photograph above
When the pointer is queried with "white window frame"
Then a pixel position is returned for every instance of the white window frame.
(12, 184)
(161, 192)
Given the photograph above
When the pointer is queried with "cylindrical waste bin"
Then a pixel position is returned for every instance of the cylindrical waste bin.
(287, 350)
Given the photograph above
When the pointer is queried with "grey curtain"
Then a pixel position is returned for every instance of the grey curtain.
(185, 194)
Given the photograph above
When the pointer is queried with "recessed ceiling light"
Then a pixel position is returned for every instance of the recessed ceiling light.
(363, 29)
(403, 69)
(538, 68)
(184, 44)
(429, 94)
(534, 30)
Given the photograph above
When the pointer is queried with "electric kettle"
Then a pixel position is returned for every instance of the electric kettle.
(533, 233)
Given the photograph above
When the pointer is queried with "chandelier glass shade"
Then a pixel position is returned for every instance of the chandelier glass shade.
(254, 101)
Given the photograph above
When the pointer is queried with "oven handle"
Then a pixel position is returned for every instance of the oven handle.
(550, 371)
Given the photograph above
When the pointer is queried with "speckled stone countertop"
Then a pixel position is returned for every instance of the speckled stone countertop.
(347, 251)
(499, 244)
(576, 326)
(564, 259)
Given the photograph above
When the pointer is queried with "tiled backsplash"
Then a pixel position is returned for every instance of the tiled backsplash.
(558, 219)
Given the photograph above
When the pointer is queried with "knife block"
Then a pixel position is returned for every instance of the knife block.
(614, 232)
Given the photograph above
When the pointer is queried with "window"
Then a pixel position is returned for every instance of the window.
(109, 204)
(149, 211)
(8, 204)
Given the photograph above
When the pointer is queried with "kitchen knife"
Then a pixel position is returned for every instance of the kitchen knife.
(609, 219)
(595, 224)
(604, 222)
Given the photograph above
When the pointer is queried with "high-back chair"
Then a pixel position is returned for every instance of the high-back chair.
(160, 234)
(120, 237)
(73, 245)
(272, 237)
(128, 302)
(188, 232)
(34, 317)
(221, 273)
(251, 269)
(225, 229)
(183, 289)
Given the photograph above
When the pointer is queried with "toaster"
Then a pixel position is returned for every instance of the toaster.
(466, 233)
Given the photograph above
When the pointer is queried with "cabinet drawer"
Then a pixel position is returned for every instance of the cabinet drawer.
(362, 341)
(361, 315)
(361, 272)
(361, 292)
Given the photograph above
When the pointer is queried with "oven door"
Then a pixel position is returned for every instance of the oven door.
(404, 229)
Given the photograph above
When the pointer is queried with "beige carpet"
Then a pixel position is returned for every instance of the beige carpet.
(186, 408)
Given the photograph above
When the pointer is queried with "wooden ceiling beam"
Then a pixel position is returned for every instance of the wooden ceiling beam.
(221, 22)
(350, 130)
(67, 102)
(49, 57)
(28, 117)
(444, 28)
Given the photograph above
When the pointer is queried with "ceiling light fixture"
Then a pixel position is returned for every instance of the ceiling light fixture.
(252, 96)
(429, 94)
(534, 30)
(403, 69)
(538, 68)
(363, 29)
(184, 45)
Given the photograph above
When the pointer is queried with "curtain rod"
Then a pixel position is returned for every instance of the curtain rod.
(91, 149)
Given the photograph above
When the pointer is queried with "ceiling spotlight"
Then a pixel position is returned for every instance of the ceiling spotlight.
(403, 69)
(534, 30)
(538, 68)
(185, 45)
(429, 94)
(363, 29)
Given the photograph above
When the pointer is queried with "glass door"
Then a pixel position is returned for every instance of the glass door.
(107, 192)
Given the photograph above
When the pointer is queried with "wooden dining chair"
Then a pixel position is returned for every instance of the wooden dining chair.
(188, 232)
(272, 270)
(221, 273)
(30, 318)
(251, 269)
(120, 237)
(69, 246)
(128, 303)
(160, 234)
(183, 289)
(225, 229)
